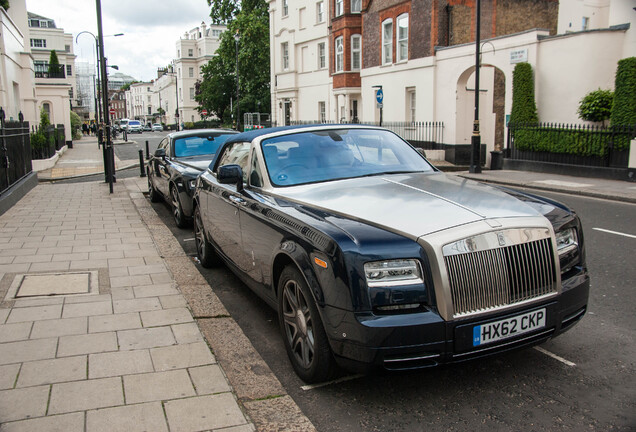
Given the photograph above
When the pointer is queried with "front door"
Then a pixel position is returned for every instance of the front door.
(287, 113)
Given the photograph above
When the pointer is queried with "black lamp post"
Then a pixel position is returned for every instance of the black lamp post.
(475, 156)
(238, 97)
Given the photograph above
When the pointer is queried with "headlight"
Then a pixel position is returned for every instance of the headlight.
(393, 272)
(192, 183)
(566, 241)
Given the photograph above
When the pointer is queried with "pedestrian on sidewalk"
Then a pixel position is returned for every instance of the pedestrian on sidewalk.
(84, 128)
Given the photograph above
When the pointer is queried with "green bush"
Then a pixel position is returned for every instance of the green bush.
(76, 126)
(524, 108)
(596, 106)
(189, 125)
(38, 139)
(624, 107)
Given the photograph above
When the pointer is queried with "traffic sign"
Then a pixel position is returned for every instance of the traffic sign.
(379, 96)
(112, 111)
(204, 112)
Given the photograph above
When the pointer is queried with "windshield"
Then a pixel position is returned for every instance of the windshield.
(310, 157)
(199, 145)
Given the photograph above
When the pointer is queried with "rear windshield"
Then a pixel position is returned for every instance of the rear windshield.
(199, 145)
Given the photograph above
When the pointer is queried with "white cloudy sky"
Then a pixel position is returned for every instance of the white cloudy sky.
(151, 28)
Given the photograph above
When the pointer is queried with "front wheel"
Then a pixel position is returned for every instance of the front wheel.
(205, 252)
(303, 333)
(177, 210)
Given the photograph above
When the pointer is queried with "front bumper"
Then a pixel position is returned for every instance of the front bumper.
(410, 341)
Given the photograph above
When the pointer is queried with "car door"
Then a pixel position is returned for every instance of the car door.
(162, 167)
(223, 207)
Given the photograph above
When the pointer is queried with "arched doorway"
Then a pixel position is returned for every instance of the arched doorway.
(492, 107)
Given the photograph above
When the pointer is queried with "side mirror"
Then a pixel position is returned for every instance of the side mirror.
(160, 153)
(231, 174)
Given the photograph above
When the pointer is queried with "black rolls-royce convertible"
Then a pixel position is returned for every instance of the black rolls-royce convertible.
(175, 165)
(374, 258)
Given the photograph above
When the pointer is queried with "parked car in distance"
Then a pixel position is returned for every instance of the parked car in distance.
(123, 124)
(157, 127)
(134, 126)
(375, 259)
(147, 127)
(175, 165)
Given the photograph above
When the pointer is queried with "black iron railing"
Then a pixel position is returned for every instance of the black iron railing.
(15, 151)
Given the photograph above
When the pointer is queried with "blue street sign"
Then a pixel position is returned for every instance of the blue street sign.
(379, 96)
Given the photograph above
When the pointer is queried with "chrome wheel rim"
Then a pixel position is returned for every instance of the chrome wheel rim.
(298, 324)
(199, 236)
(176, 206)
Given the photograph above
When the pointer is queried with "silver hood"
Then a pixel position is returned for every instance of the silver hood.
(413, 204)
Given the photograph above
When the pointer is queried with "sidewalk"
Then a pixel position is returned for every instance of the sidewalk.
(99, 327)
(85, 158)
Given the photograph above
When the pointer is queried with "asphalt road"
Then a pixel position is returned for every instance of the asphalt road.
(583, 380)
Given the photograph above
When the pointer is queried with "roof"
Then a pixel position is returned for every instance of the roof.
(250, 135)
(31, 15)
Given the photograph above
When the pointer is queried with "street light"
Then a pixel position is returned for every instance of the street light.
(238, 98)
(475, 157)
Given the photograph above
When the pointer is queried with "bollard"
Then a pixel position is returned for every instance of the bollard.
(142, 171)
(147, 150)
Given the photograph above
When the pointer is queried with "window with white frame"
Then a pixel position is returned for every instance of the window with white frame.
(387, 41)
(339, 7)
(69, 70)
(356, 43)
(320, 12)
(38, 43)
(285, 8)
(339, 54)
(403, 37)
(356, 6)
(191, 72)
(284, 49)
(585, 23)
(410, 104)
(322, 112)
(191, 93)
(322, 55)
(190, 52)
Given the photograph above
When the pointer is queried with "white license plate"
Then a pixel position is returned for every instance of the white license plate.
(510, 327)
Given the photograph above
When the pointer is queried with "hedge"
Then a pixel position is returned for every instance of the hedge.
(624, 106)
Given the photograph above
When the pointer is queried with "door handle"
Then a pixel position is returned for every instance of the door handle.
(238, 200)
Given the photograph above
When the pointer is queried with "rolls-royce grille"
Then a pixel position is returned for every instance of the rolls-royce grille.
(493, 278)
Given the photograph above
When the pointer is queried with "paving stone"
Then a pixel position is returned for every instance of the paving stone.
(119, 363)
(4, 313)
(87, 309)
(52, 371)
(59, 327)
(181, 356)
(87, 344)
(73, 422)
(15, 332)
(32, 258)
(124, 262)
(147, 269)
(187, 333)
(133, 418)
(79, 256)
(136, 305)
(87, 298)
(57, 266)
(8, 374)
(173, 301)
(145, 338)
(20, 404)
(121, 281)
(90, 264)
(106, 255)
(89, 248)
(161, 278)
(104, 323)
(158, 386)
(23, 351)
(166, 317)
(125, 293)
(141, 253)
(85, 395)
(118, 272)
(209, 379)
(155, 290)
(36, 313)
(30, 302)
(194, 414)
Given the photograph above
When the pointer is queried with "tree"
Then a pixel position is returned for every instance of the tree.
(127, 85)
(76, 124)
(596, 106)
(624, 107)
(54, 64)
(218, 86)
(225, 11)
(4, 4)
(524, 108)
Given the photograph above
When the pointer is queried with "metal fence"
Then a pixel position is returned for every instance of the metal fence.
(567, 144)
(52, 138)
(15, 152)
(420, 134)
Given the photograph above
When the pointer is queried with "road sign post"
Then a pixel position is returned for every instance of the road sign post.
(379, 98)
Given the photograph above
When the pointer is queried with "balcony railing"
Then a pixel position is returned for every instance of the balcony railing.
(50, 74)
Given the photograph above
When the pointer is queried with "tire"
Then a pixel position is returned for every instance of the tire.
(177, 210)
(152, 192)
(302, 330)
(205, 251)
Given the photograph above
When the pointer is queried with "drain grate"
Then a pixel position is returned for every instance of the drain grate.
(53, 284)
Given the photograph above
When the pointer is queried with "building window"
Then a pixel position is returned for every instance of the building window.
(320, 11)
(339, 54)
(387, 42)
(356, 42)
(70, 93)
(67, 48)
(191, 93)
(216, 33)
(190, 52)
(403, 37)
(410, 100)
(285, 8)
(191, 72)
(585, 23)
(38, 43)
(356, 6)
(322, 112)
(339, 7)
(322, 55)
(69, 70)
(149, 110)
(284, 48)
